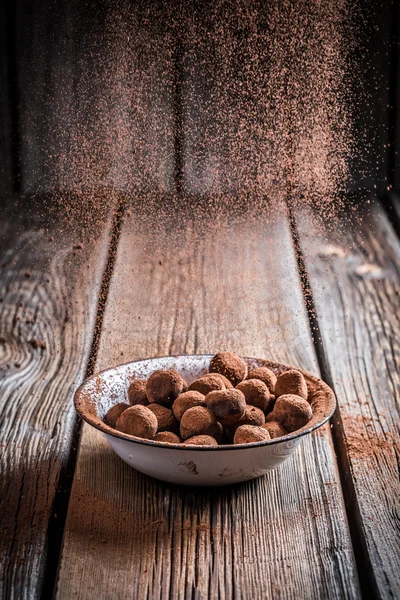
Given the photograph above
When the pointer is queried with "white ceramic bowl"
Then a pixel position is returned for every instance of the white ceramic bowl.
(193, 465)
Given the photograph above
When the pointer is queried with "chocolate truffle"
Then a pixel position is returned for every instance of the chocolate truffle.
(167, 436)
(248, 434)
(139, 421)
(164, 386)
(227, 405)
(201, 440)
(224, 379)
(198, 420)
(137, 392)
(114, 413)
(230, 365)
(165, 418)
(292, 411)
(291, 382)
(185, 401)
(256, 393)
(252, 416)
(275, 429)
(264, 374)
(270, 417)
(210, 382)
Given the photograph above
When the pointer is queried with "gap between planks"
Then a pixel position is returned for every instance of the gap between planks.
(49, 287)
(355, 277)
(58, 516)
(364, 569)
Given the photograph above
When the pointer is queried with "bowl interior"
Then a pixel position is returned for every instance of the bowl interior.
(101, 391)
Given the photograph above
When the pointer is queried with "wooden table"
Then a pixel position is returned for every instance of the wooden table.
(78, 522)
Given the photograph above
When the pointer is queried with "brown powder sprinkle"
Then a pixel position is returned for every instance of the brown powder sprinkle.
(36, 343)
(362, 439)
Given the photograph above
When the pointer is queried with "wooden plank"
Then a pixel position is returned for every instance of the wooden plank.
(214, 283)
(355, 277)
(96, 89)
(48, 293)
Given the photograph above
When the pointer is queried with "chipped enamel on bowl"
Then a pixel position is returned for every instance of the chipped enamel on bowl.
(193, 465)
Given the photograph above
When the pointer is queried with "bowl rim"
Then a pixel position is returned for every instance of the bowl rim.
(81, 402)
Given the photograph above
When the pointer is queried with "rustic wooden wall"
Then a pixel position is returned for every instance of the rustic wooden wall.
(75, 78)
(92, 83)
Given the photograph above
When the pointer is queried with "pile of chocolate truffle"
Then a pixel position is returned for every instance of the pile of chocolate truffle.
(229, 405)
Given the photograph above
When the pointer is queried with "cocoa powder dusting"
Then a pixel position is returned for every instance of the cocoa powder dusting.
(363, 440)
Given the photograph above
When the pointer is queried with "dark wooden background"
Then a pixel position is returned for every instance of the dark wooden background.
(56, 58)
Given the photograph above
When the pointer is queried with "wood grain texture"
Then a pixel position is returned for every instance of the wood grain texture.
(48, 307)
(354, 269)
(184, 287)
